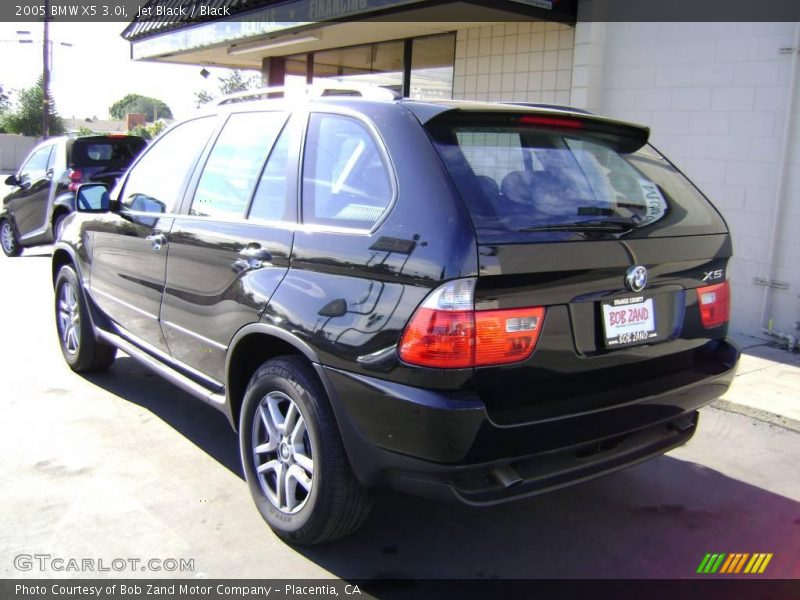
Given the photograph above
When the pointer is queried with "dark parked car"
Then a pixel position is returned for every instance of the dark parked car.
(471, 302)
(43, 190)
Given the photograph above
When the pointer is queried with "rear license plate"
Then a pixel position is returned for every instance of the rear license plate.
(629, 321)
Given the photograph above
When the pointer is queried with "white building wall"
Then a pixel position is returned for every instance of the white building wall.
(714, 96)
(14, 149)
(518, 62)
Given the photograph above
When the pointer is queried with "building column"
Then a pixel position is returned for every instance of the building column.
(588, 63)
(408, 46)
(273, 71)
(310, 68)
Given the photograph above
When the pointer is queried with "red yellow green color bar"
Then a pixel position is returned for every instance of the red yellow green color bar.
(734, 563)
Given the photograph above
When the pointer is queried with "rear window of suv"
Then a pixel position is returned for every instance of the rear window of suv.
(520, 180)
(105, 151)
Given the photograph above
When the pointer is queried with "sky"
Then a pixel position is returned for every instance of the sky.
(96, 70)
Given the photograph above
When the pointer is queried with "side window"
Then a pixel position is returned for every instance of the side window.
(346, 182)
(270, 202)
(155, 182)
(36, 165)
(233, 166)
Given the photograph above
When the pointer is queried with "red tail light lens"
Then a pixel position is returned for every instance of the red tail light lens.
(447, 333)
(441, 334)
(439, 338)
(75, 179)
(506, 336)
(544, 121)
(715, 304)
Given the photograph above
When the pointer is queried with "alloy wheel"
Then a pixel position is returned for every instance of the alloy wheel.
(69, 318)
(7, 237)
(282, 452)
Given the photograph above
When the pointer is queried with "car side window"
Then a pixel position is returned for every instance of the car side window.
(346, 182)
(155, 182)
(231, 171)
(36, 166)
(270, 202)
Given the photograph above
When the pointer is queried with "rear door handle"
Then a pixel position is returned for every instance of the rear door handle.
(157, 240)
(256, 252)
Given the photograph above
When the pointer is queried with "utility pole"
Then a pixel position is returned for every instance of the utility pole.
(46, 73)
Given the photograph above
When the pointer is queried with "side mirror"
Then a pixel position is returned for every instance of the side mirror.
(12, 180)
(92, 198)
(140, 203)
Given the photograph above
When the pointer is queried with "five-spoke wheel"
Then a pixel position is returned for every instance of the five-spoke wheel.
(8, 239)
(293, 456)
(69, 318)
(283, 453)
(81, 350)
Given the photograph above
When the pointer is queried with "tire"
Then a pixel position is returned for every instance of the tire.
(8, 239)
(82, 352)
(329, 502)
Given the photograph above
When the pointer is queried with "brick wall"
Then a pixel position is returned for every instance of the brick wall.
(520, 62)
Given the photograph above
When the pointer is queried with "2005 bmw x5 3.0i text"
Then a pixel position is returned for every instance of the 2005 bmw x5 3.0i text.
(475, 302)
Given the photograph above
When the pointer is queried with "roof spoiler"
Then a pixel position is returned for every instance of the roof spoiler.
(621, 136)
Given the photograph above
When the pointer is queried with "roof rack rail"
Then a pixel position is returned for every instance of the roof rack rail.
(316, 90)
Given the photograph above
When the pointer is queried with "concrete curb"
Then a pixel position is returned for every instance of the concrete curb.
(756, 413)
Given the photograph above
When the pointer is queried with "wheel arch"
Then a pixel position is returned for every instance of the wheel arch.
(58, 210)
(251, 347)
(6, 215)
(64, 255)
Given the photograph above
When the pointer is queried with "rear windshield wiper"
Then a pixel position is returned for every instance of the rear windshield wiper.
(601, 226)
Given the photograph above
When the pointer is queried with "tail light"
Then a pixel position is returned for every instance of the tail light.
(506, 336)
(446, 332)
(75, 179)
(715, 304)
(545, 121)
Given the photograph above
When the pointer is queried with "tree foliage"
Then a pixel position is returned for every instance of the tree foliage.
(5, 104)
(26, 118)
(151, 108)
(236, 81)
(148, 132)
(5, 101)
(202, 97)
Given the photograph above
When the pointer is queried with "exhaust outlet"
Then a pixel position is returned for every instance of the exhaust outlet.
(507, 476)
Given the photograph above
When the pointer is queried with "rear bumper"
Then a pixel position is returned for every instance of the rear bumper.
(446, 445)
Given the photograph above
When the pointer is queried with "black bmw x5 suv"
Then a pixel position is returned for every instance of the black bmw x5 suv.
(473, 302)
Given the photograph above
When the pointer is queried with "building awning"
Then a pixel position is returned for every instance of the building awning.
(240, 33)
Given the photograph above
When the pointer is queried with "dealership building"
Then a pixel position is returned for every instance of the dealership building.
(720, 98)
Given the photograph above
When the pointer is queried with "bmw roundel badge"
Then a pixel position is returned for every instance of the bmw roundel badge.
(636, 279)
